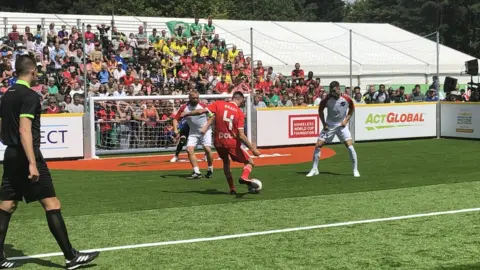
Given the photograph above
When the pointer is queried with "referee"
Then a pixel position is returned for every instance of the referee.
(25, 172)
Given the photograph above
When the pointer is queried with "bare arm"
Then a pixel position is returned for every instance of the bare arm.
(27, 139)
(351, 110)
(243, 138)
(175, 125)
(321, 114)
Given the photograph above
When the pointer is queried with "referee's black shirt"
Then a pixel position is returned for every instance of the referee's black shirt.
(19, 101)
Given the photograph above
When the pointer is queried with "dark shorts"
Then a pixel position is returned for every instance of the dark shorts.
(184, 130)
(15, 183)
(236, 154)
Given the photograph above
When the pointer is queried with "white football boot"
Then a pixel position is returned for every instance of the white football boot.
(313, 172)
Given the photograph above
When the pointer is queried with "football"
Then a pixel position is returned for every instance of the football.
(259, 185)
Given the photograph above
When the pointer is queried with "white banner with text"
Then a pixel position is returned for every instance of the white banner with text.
(460, 120)
(395, 121)
(61, 136)
(289, 126)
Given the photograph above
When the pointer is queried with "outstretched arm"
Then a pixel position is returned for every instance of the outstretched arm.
(195, 112)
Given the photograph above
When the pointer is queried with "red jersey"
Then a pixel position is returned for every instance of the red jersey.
(229, 118)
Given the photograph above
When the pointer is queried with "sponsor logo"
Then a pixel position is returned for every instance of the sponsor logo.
(303, 126)
(52, 136)
(392, 120)
(225, 135)
(464, 122)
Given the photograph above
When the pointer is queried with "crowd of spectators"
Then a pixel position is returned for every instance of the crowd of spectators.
(137, 64)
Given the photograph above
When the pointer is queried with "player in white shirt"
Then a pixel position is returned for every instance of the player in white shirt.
(340, 109)
(200, 133)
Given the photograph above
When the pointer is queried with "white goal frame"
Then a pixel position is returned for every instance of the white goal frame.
(90, 151)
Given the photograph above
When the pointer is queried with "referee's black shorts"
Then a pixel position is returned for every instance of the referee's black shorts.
(16, 186)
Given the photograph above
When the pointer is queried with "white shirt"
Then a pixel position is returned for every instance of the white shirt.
(72, 108)
(119, 74)
(119, 94)
(337, 109)
(73, 92)
(195, 123)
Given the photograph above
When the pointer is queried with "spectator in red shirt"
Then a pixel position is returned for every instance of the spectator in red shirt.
(52, 106)
(128, 79)
(309, 78)
(14, 35)
(89, 34)
(222, 86)
(184, 74)
(301, 88)
(297, 73)
(259, 70)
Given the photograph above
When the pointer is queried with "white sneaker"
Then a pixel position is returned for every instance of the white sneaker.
(174, 159)
(356, 174)
(312, 172)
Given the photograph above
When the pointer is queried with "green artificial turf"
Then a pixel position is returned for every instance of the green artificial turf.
(106, 209)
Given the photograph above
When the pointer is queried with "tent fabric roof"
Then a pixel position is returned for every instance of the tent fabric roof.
(321, 47)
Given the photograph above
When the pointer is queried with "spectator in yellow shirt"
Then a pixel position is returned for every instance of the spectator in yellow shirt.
(232, 54)
(168, 66)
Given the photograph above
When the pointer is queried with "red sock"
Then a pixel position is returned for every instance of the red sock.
(246, 172)
(230, 180)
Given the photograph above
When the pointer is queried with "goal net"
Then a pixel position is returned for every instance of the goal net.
(140, 124)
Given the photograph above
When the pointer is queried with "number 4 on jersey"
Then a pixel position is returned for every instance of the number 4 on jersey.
(229, 120)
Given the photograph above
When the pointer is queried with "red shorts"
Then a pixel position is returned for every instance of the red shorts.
(236, 154)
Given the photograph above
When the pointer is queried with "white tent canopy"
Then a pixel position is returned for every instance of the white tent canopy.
(381, 53)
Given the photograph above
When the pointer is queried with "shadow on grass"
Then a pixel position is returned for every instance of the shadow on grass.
(13, 252)
(325, 173)
(475, 266)
(209, 192)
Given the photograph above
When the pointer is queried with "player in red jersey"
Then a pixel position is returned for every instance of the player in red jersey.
(229, 136)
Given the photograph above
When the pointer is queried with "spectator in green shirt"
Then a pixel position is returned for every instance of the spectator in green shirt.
(209, 29)
(271, 99)
(153, 37)
(52, 88)
(195, 29)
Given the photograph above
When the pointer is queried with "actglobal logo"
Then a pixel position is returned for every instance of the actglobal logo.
(392, 120)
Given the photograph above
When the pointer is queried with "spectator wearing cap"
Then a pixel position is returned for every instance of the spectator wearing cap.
(89, 34)
(38, 45)
(14, 35)
(432, 95)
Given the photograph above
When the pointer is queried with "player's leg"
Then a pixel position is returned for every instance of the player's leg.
(326, 136)
(44, 192)
(14, 170)
(346, 137)
(223, 154)
(206, 141)
(192, 142)
(181, 142)
(241, 156)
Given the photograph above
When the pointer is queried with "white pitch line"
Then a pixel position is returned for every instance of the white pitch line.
(242, 235)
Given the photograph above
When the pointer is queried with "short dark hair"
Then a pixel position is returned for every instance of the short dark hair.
(333, 85)
(24, 64)
(238, 94)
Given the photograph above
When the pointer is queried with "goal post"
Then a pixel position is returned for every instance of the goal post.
(118, 125)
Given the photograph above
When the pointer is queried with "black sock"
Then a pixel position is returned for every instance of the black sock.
(179, 149)
(4, 221)
(59, 231)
